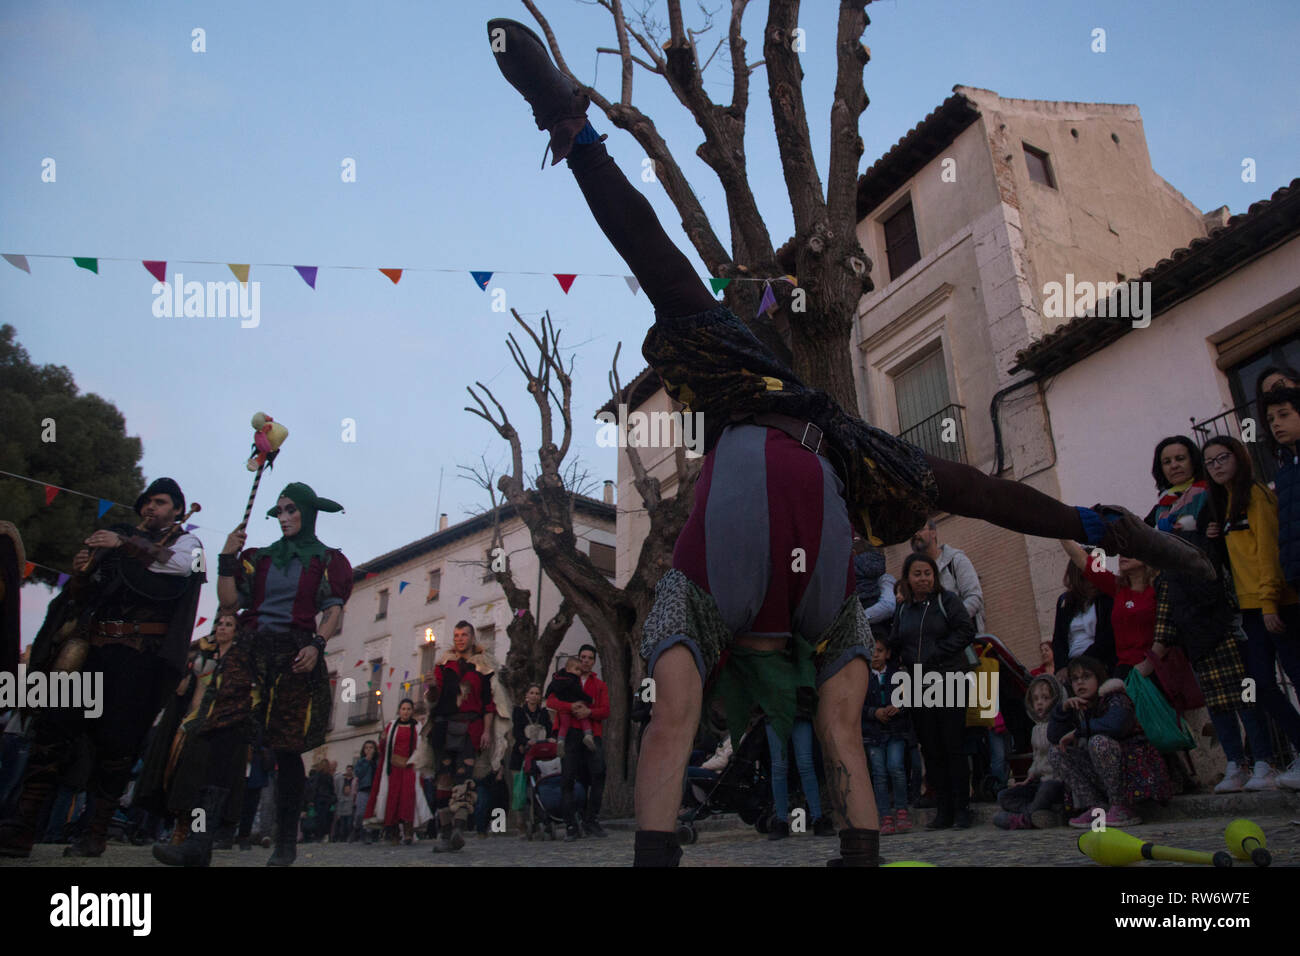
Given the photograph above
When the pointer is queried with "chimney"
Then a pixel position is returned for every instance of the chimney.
(609, 492)
(442, 522)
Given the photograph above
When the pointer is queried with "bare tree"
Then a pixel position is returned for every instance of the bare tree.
(612, 615)
(811, 326)
(531, 648)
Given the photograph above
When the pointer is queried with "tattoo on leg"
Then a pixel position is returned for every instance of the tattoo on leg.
(840, 786)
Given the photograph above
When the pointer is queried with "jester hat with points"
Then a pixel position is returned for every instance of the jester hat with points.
(304, 545)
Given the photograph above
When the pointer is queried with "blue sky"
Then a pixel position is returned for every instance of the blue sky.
(234, 155)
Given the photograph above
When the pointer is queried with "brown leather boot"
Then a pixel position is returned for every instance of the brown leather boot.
(559, 104)
(94, 840)
(18, 834)
(180, 832)
(1127, 535)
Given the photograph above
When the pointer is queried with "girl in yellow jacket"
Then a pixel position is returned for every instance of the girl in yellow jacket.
(1270, 610)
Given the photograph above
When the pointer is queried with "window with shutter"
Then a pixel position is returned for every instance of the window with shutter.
(901, 246)
(602, 556)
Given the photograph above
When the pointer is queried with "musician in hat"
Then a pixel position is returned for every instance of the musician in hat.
(127, 614)
(275, 678)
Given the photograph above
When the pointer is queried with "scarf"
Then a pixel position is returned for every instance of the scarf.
(304, 545)
(1187, 499)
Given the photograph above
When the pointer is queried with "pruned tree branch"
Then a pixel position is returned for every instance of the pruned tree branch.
(785, 88)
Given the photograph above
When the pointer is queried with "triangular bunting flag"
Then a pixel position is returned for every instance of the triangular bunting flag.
(308, 274)
(358, 663)
(200, 623)
(402, 585)
(462, 600)
(389, 685)
(50, 493)
(156, 268)
(190, 527)
(333, 681)
(391, 670)
(28, 568)
(632, 283)
(370, 685)
(371, 574)
(405, 674)
(792, 280)
(490, 606)
(394, 274)
(104, 505)
(718, 284)
(240, 269)
(87, 263)
(768, 302)
(521, 612)
(481, 279)
(63, 579)
(18, 262)
(565, 280)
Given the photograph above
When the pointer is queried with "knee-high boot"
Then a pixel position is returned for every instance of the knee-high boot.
(18, 834)
(288, 807)
(94, 840)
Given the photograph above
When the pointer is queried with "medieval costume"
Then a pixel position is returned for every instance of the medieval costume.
(786, 467)
(398, 799)
(176, 762)
(12, 561)
(130, 618)
(282, 588)
(463, 694)
(13, 743)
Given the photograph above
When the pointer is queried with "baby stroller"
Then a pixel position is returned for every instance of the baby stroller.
(743, 787)
(1013, 684)
(545, 804)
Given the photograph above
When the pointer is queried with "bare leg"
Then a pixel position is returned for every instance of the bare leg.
(839, 727)
(679, 695)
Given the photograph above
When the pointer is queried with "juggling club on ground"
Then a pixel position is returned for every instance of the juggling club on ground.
(1111, 847)
(1245, 840)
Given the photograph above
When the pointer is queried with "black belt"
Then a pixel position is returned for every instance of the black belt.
(804, 432)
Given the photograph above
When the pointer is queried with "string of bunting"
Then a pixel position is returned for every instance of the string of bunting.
(158, 269)
(104, 504)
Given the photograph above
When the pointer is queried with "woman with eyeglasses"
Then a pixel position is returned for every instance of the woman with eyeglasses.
(1270, 610)
(1198, 616)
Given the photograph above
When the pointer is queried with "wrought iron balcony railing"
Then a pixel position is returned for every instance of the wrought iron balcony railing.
(942, 435)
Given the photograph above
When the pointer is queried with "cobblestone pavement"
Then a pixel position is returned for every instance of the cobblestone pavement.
(979, 846)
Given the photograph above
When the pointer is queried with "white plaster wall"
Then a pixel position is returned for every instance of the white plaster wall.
(1109, 411)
